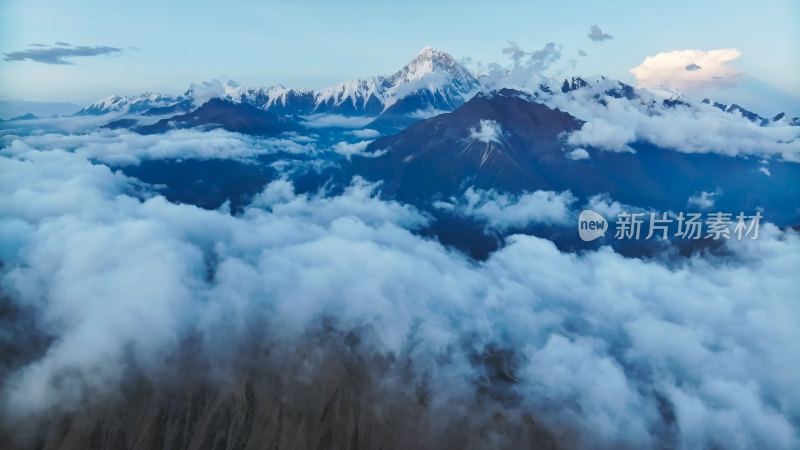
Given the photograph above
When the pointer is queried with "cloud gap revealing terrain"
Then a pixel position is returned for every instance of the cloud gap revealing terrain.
(398, 262)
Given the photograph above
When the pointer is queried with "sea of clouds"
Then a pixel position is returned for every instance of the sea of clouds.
(615, 350)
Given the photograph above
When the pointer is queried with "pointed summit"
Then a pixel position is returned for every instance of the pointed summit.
(432, 80)
(429, 60)
(435, 55)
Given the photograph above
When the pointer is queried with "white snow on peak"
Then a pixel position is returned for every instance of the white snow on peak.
(123, 104)
(356, 91)
(204, 91)
(430, 70)
(433, 70)
(427, 61)
(666, 93)
(275, 94)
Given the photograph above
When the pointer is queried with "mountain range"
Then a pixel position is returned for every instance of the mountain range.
(432, 81)
(506, 140)
(442, 130)
(469, 162)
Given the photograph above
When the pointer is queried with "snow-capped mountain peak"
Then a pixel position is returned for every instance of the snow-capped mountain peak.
(437, 74)
(127, 104)
(202, 92)
(442, 79)
(432, 80)
(428, 60)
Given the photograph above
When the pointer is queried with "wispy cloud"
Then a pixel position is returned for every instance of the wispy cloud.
(597, 35)
(60, 53)
(538, 60)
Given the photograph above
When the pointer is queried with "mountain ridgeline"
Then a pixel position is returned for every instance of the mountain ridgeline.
(236, 117)
(525, 150)
(441, 130)
(431, 82)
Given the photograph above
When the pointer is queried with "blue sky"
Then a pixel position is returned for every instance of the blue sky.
(168, 44)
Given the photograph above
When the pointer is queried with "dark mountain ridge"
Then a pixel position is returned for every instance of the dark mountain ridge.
(236, 117)
(442, 156)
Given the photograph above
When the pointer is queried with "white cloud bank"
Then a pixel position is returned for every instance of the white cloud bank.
(123, 147)
(336, 121)
(688, 70)
(616, 123)
(504, 211)
(704, 200)
(578, 154)
(611, 351)
(348, 149)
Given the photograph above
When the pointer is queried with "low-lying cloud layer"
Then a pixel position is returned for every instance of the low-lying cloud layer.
(505, 211)
(625, 351)
(123, 147)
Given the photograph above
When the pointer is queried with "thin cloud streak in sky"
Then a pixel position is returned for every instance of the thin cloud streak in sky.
(59, 54)
(539, 60)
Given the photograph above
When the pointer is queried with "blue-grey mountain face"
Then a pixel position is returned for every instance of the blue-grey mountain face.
(492, 141)
(509, 142)
(502, 139)
(183, 106)
(28, 116)
(236, 117)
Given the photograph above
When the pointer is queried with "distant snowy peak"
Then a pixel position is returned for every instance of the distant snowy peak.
(667, 93)
(432, 71)
(431, 83)
(200, 93)
(538, 85)
(429, 60)
(355, 92)
(128, 104)
(436, 73)
(751, 116)
(434, 76)
(576, 94)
